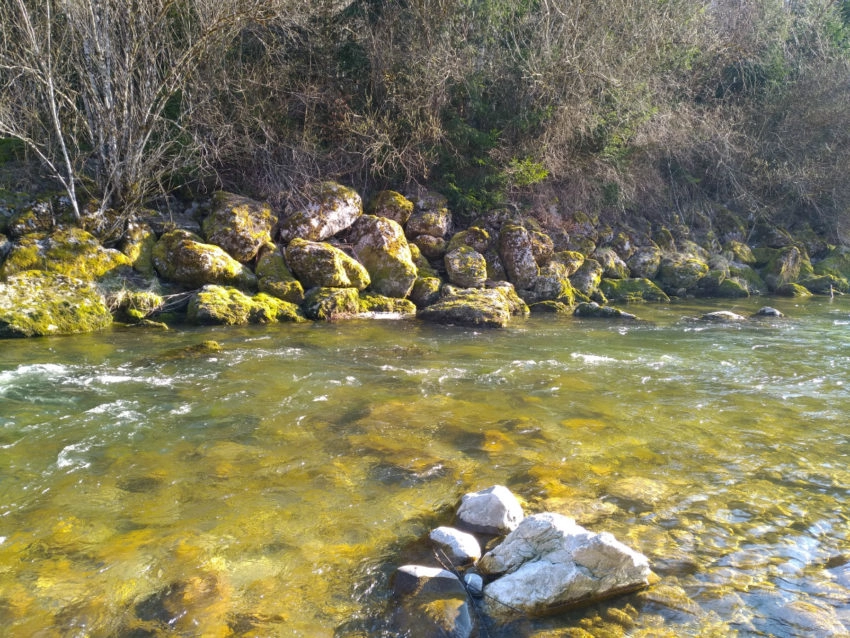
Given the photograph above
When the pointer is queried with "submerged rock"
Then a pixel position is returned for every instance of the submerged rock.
(239, 225)
(723, 316)
(329, 209)
(494, 510)
(433, 604)
(594, 310)
(768, 311)
(549, 563)
(36, 303)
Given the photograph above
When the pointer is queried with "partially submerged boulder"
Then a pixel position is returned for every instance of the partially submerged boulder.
(239, 225)
(593, 310)
(371, 303)
(229, 306)
(36, 303)
(329, 304)
(319, 264)
(184, 258)
(488, 308)
(329, 209)
(681, 272)
(433, 603)
(632, 290)
(494, 510)
(380, 245)
(549, 563)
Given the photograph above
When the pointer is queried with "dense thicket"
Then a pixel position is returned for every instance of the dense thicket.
(654, 108)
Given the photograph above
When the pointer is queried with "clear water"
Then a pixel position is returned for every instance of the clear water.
(270, 488)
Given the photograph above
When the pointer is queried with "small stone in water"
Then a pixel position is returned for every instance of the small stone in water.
(474, 584)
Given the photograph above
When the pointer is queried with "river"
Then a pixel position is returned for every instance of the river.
(270, 487)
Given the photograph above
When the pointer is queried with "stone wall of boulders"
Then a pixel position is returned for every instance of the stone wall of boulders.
(234, 260)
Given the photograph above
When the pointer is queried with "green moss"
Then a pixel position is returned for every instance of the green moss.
(182, 257)
(320, 265)
(755, 284)
(474, 237)
(732, 288)
(36, 303)
(836, 262)
(371, 302)
(792, 290)
(328, 304)
(238, 225)
(550, 308)
(74, 253)
(391, 205)
(229, 306)
(825, 284)
(138, 246)
(134, 306)
(466, 267)
(426, 290)
(470, 307)
(275, 278)
(632, 290)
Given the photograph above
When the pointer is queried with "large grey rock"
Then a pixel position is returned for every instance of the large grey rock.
(549, 563)
(613, 267)
(318, 264)
(329, 209)
(459, 547)
(588, 277)
(517, 253)
(380, 245)
(645, 261)
(419, 579)
(494, 510)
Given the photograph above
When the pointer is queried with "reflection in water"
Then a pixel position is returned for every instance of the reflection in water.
(269, 488)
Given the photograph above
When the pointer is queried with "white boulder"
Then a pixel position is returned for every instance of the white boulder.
(492, 511)
(459, 547)
(550, 563)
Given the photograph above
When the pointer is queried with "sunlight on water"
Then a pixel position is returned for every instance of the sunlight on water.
(150, 488)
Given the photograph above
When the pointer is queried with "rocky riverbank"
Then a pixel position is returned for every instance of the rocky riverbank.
(232, 260)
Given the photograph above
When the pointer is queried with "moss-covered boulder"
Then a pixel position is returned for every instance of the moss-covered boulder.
(517, 252)
(738, 252)
(224, 305)
(542, 247)
(769, 235)
(732, 288)
(329, 304)
(430, 216)
(516, 304)
(466, 267)
(183, 257)
(613, 267)
(663, 238)
(426, 291)
(320, 265)
(645, 261)
(431, 247)
(474, 237)
(371, 303)
(72, 252)
(238, 224)
(134, 306)
(484, 308)
(835, 262)
(36, 303)
(792, 290)
(680, 273)
(825, 284)
(553, 284)
(550, 308)
(31, 217)
(569, 259)
(391, 205)
(328, 209)
(586, 280)
(380, 245)
(749, 276)
(632, 290)
(274, 277)
(593, 310)
(139, 240)
(780, 266)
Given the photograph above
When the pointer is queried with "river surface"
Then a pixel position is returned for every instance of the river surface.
(149, 488)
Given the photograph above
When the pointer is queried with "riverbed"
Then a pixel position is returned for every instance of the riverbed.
(155, 486)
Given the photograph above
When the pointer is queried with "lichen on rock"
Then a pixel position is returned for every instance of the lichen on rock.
(183, 257)
(274, 277)
(466, 267)
(382, 248)
(225, 305)
(321, 265)
(329, 209)
(329, 304)
(36, 303)
(239, 225)
(391, 205)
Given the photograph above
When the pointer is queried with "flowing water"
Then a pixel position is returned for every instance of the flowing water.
(270, 488)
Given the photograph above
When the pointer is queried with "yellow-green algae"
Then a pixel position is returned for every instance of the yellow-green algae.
(37, 303)
(230, 306)
(275, 278)
(72, 252)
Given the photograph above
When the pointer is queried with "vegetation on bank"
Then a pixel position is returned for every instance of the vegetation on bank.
(656, 110)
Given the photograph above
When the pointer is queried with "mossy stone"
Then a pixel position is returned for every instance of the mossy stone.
(391, 205)
(595, 311)
(328, 304)
(550, 308)
(517, 252)
(825, 284)
(835, 262)
(239, 225)
(432, 247)
(780, 266)
(382, 248)
(542, 247)
(224, 305)
(792, 290)
(681, 272)
(372, 302)
(182, 257)
(474, 237)
(134, 306)
(469, 307)
(739, 252)
(466, 267)
(321, 265)
(72, 252)
(138, 244)
(632, 290)
(274, 277)
(38, 303)
(588, 277)
(755, 284)
(732, 288)
(645, 261)
(426, 291)
(570, 259)
(329, 208)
